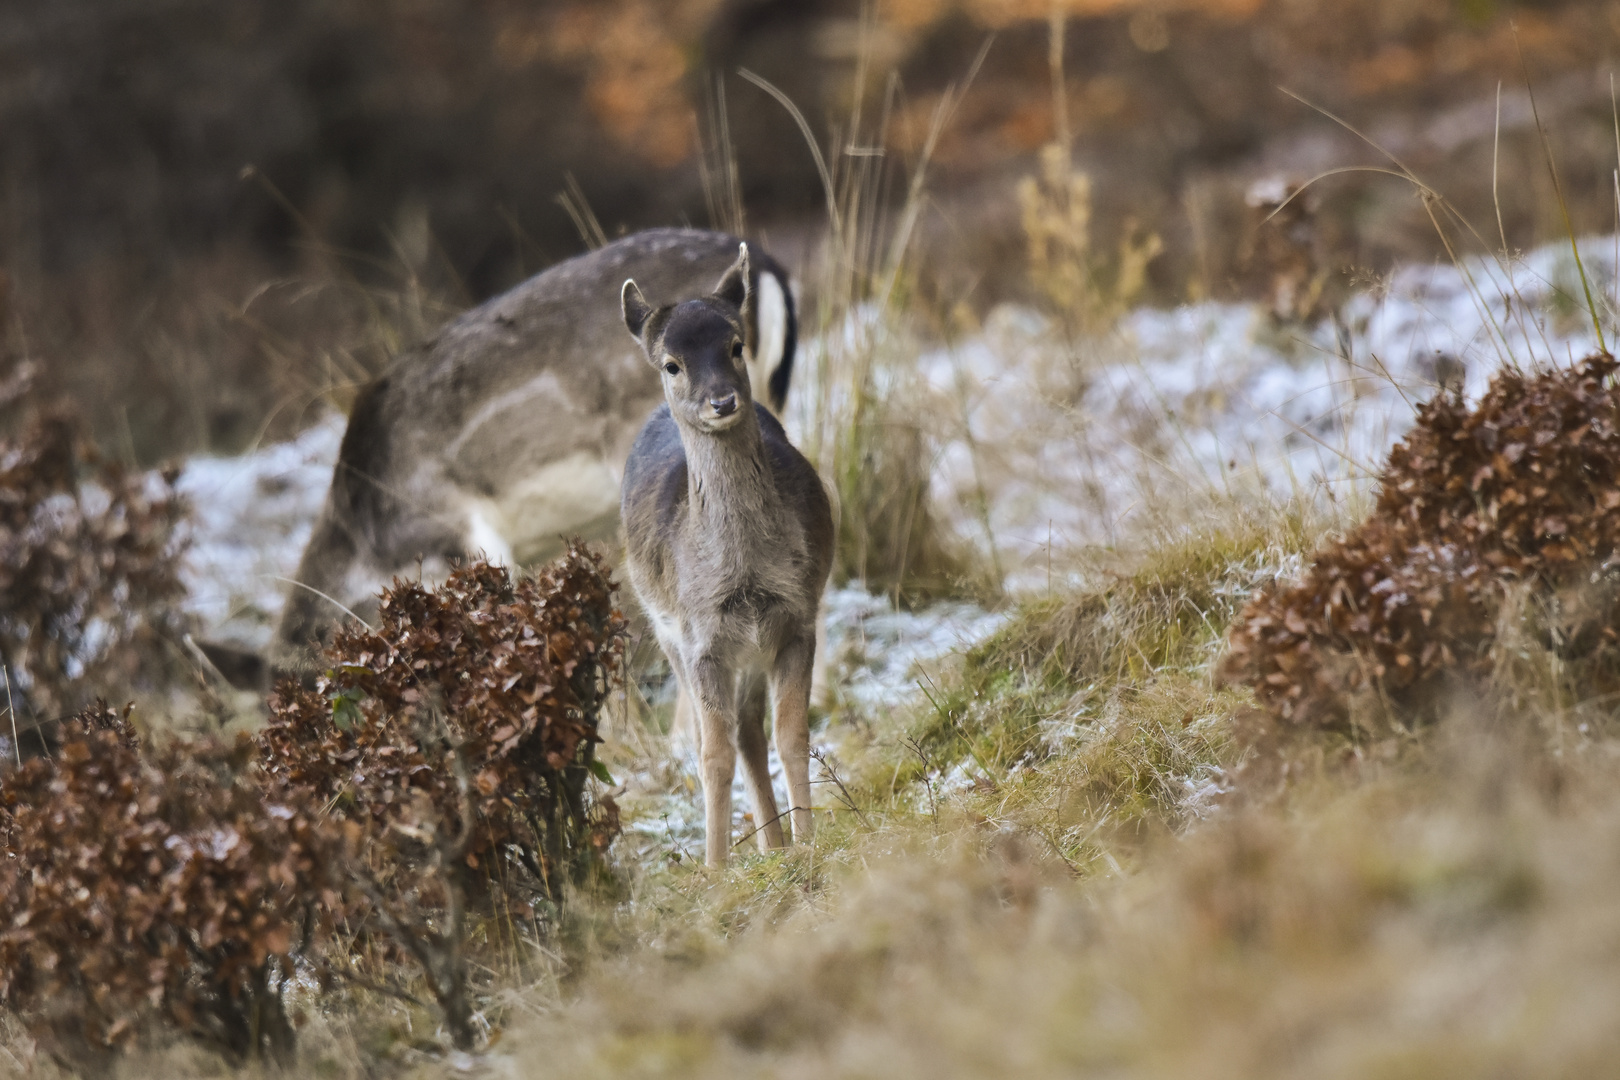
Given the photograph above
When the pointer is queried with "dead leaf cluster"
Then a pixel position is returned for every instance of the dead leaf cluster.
(89, 569)
(1521, 492)
(155, 888)
(439, 767)
(457, 740)
(499, 679)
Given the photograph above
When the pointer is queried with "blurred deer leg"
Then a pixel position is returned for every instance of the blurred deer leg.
(790, 686)
(755, 753)
(716, 703)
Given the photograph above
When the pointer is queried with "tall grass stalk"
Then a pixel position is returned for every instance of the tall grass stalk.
(385, 320)
(858, 409)
(1442, 211)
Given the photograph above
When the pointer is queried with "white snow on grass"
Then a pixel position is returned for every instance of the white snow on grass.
(251, 516)
(1041, 445)
(878, 658)
(1045, 445)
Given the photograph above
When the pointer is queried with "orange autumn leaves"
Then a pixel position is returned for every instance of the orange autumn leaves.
(637, 56)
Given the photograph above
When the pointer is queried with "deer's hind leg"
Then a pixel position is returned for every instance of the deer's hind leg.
(756, 756)
(790, 690)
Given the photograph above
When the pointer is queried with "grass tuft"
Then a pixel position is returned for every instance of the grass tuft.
(1068, 661)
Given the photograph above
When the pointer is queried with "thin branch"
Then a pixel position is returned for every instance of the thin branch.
(11, 711)
(833, 778)
(757, 828)
(910, 743)
(375, 987)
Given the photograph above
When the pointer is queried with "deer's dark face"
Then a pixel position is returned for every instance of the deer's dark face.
(697, 348)
(699, 354)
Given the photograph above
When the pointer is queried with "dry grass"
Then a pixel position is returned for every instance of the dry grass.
(1050, 893)
(1072, 659)
(858, 408)
(1447, 912)
(1061, 866)
(1109, 893)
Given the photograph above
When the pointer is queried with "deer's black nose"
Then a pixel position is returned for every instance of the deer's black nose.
(724, 406)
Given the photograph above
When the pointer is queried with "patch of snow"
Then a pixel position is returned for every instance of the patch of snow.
(251, 516)
(878, 656)
(1045, 444)
(1040, 444)
(1202, 793)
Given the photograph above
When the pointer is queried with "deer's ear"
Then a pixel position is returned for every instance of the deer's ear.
(734, 288)
(635, 307)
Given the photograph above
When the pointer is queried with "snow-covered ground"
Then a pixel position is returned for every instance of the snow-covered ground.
(877, 659)
(877, 656)
(1046, 446)
(251, 516)
(1042, 445)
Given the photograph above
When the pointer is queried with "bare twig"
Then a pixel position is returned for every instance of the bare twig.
(375, 987)
(927, 686)
(11, 711)
(820, 757)
(438, 954)
(910, 743)
(773, 821)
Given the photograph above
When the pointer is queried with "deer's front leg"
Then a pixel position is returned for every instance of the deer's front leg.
(790, 689)
(714, 690)
(756, 755)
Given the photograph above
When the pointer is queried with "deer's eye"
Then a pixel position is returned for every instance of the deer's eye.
(736, 350)
(673, 368)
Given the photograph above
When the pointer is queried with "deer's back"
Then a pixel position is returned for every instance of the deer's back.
(553, 348)
(528, 400)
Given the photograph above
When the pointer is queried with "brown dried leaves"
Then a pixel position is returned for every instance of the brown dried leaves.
(162, 885)
(1523, 488)
(444, 755)
(89, 575)
(502, 679)
(456, 740)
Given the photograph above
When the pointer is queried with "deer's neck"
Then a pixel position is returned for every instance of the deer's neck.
(728, 480)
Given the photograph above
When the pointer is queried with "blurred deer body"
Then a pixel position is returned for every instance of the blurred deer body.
(510, 427)
(730, 541)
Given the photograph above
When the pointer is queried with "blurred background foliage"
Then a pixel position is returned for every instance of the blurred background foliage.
(216, 213)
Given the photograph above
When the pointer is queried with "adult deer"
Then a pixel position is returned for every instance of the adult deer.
(507, 430)
(729, 537)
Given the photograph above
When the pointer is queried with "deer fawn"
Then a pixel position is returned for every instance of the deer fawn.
(507, 429)
(730, 540)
